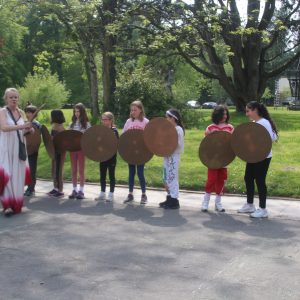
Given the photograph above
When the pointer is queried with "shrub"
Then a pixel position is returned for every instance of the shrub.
(43, 88)
(142, 85)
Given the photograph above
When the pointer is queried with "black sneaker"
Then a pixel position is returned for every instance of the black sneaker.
(162, 204)
(51, 193)
(144, 199)
(73, 195)
(58, 194)
(129, 198)
(80, 195)
(173, 204)
(28, 193)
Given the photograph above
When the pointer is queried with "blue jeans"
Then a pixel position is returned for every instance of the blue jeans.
(140, 173)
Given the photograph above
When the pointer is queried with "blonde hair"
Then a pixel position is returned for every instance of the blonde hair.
(110, 116)
(8, 90)
(139, 105)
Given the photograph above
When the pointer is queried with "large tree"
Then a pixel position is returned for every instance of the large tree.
(214, 37)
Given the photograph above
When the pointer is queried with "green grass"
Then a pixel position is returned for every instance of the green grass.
(283, 176)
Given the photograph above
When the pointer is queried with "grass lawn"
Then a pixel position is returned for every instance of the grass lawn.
(283, 176)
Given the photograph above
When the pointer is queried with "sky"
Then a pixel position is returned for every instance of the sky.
(242, 6)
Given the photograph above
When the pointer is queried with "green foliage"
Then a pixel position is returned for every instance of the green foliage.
(192, 118)
(143, 85)
(12, 70)
(43, 88)
(186, 83)
(266, 96)
(75, 78)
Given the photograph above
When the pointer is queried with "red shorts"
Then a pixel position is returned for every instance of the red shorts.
(215, 180)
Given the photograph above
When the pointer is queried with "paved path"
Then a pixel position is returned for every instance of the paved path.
(70, 249)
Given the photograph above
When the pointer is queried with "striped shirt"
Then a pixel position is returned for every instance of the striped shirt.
(219, 127)
(135, 124)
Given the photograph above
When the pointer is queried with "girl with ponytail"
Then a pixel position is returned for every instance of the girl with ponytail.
(257, 172)
(171, 163)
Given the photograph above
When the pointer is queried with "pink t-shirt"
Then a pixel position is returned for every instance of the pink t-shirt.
(135, 124)
(220, 127)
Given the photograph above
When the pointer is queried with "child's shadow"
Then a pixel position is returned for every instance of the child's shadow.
(63, 206)
(169, 218)
(269, 228)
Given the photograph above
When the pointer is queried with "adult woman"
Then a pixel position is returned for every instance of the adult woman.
(12, 169)
(257, 172)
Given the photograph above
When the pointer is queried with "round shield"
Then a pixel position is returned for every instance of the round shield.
(161, 137)
(215, 150)
(47, 139)
(67, 140)
(251, 142)
(33, 141)
(99, 143)
(132, 147)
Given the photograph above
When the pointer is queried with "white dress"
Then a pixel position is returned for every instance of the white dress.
(13, 171)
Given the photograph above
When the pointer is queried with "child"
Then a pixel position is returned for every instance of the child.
(216, 177)
(57, 120)
(33, 157)
(107, 119)
(258, 113)
(137, 120)
(171, 163)
(80, 123)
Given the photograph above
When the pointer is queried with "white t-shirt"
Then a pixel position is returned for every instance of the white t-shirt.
(180, 146)
(264, 122)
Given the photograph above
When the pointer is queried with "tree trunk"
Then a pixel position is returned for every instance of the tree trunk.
(91, 71)
(109, 81)
(108, 59)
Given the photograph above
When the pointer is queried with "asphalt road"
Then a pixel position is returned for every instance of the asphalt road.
(70, 249)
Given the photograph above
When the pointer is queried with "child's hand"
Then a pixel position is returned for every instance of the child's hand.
(27, 126)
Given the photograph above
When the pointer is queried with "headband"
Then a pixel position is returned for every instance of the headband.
(171, 115)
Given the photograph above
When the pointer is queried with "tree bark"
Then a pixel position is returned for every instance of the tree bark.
(108, 42)
(109, 81)
(91, 71)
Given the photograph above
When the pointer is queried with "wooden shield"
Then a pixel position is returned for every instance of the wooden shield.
(132, 147)
(251, 142)
(215, 150)
(33, 141)
(47, 139)
(161, 137)
(99, 143)
(67, 140)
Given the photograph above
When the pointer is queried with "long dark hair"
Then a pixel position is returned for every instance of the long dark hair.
(178, 119)
(262, 112)
(83, 118)
(218, 114)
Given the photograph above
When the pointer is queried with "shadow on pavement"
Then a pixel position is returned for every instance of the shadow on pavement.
(269, 228)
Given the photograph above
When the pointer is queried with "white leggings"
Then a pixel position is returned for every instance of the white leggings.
(171, 169)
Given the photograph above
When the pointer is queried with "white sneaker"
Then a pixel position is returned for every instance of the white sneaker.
(218, 204)
(205, 202)
(110, 197)
(260, 213)
(101, 196)
(247, 208)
